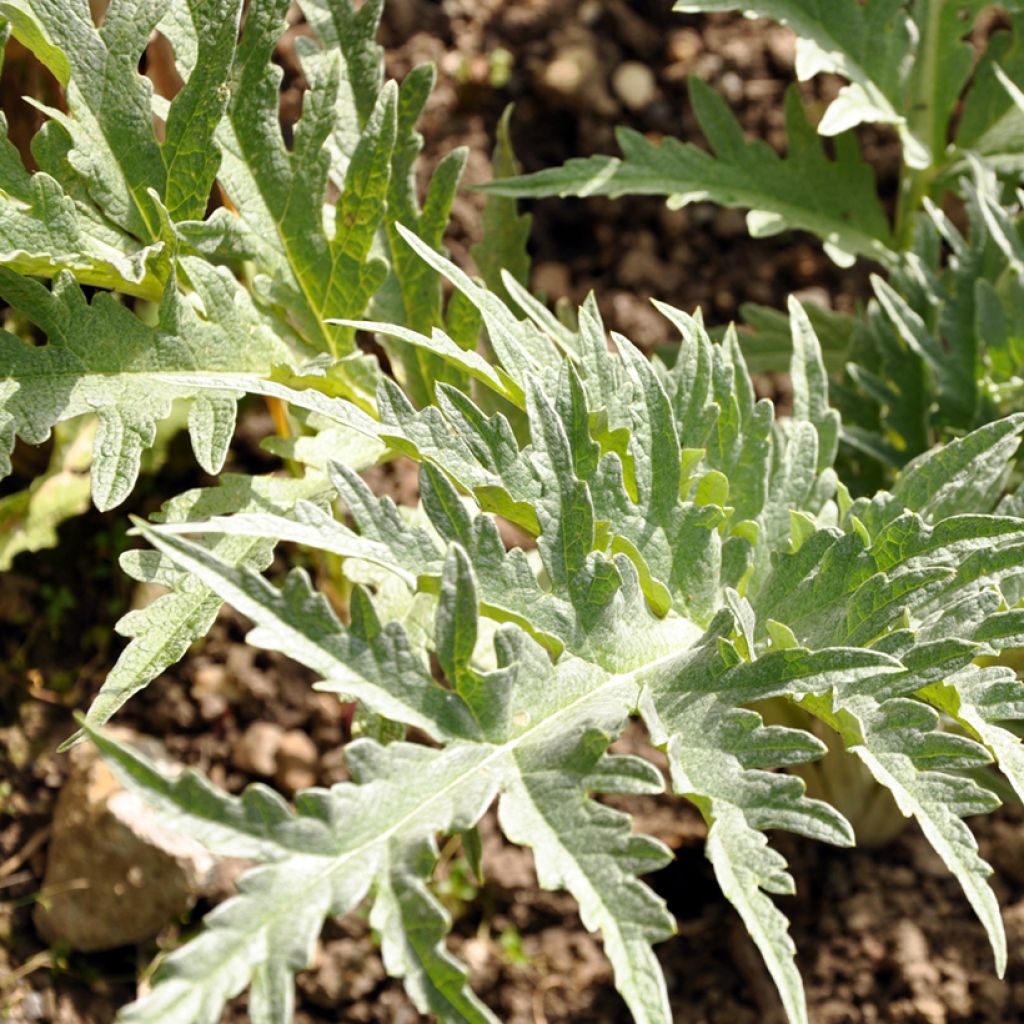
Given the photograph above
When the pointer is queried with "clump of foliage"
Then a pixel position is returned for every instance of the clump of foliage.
(694, 556)
(159, 315)
(182, 238)
(694, 563)
(940, 351)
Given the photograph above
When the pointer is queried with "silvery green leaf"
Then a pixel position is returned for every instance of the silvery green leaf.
(691, 558)
(833, 198)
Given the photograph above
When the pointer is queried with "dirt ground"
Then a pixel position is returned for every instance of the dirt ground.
(883, 938)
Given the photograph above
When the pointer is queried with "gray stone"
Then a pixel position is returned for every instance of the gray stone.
(114, 875)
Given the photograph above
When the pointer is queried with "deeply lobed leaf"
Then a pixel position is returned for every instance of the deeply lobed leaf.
(694, 560)
(120, 203)
(835, 199)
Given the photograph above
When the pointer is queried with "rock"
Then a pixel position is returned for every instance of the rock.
(552, 279)
(708, 66)
(256, 752)
(1013, 919)
(576, 76)
(782, 47)
(570, 71)
(333, 767)
(911, 953)
(15, 746)
(731, 86)
(114, 875)
(930, 1009)
(928, 862)
(638, 319)
(674, 222)
(477, 954)
(683, 46)
(297, 759)
(874, 948)
(213, 689)
(634, 84)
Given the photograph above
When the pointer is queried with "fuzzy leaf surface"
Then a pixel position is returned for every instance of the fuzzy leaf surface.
(695, 558)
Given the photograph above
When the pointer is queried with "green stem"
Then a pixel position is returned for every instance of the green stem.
(915, 182)
(914, 186)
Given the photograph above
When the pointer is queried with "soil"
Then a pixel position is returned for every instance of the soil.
(882, 936)
(626, 250)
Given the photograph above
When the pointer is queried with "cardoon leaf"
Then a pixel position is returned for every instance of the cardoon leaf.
(102, 357)
(697, 564)
(834, 199)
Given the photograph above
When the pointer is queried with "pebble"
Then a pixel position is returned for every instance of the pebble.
(928, 862)
(256, 751)
(297, 758)
(731, 86)
(1004, 850)
(931, 1009)
(477, 954)
(552, 279)
(708, 65)
(577, 75)
(874, 948)
(643, 270)
(674, 221)
(782, 46)
(212, 689)
(911, 952)
(634, 84)
(684, 45)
